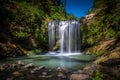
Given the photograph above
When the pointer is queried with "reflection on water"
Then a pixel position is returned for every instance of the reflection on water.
(50, 61)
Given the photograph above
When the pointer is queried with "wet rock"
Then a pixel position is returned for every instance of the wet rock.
(79, 77)
(2, 68)
(20, 63)
(86, 73)
(90, 70)
(78, 72)
(48, 77)
(21, 78)
(3, 65)
(28, 66)
(61, 75)
(42, 77)
(38, 68)
(9, 79)
(6, 65)
(60, 69)
(32, 72)
(49, 70)
(14, 65)
(44, 73)
(16, 73)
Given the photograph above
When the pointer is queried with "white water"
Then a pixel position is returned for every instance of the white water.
(51, 35)
(68, 35)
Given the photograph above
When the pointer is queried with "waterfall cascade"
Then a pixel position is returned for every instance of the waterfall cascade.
(64, 34)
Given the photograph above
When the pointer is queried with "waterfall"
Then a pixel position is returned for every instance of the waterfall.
(67, 34)
(51, 30)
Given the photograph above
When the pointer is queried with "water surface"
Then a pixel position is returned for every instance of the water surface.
(54, 61)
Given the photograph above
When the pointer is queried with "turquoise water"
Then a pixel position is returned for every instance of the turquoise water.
(51, 61)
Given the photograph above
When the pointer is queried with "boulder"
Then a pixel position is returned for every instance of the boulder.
(79, 77)
(20, 63)
(16, 73)
(90, 70)
(61, 75)
(60, 69)
(38, 68)
(78, 72)
(28, 66)
(44, 73)
(2, 68)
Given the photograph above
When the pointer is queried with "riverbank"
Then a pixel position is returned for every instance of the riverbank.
(110, 70)
(20, 71)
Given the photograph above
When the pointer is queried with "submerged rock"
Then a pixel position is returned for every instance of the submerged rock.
(14, 65)
(28, 66)
(38, 68)
(60, 69)
(30, 72)
(20, 63)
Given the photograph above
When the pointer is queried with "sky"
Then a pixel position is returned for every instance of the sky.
(79, 8)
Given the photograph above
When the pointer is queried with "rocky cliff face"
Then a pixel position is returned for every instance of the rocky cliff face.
(101, 29)
(23, 23)
(10, 50)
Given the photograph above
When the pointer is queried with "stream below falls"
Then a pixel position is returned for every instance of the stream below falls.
(69, 62)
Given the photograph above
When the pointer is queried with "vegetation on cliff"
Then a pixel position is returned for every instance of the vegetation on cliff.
(23, 23)
(23, 28)
(101, 28)
(101, 37)
(102, 22)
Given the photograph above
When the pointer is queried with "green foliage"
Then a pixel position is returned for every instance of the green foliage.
(98, 76)
(26, 19)
(102, 76)
(101, 52)
(21, 35)
(104, 25)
